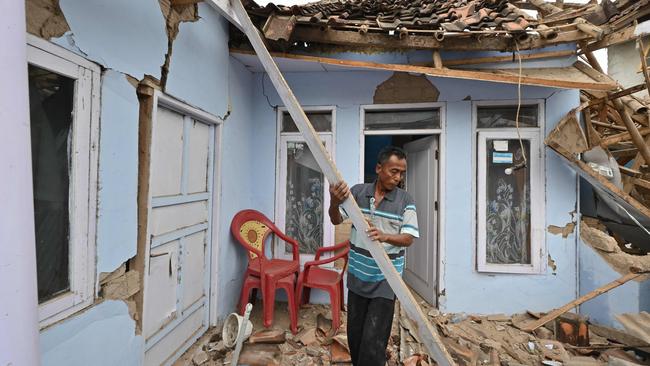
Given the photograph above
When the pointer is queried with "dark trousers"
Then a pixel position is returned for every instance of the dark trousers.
(369, 326)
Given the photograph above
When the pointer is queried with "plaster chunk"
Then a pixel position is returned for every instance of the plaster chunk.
(45, 19)
(406, 88)
(607, 247)
(564, 231)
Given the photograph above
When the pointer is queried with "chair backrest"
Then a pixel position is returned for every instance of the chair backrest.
(251, 229)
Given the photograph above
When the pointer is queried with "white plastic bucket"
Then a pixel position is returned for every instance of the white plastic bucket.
(231, 329)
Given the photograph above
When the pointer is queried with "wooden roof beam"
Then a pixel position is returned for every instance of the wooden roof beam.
(538, 77)
(450, 42)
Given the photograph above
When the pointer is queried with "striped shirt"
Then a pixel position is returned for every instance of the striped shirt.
(395, 214)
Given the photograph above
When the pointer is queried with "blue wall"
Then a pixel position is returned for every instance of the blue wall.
(238, 184)
(463, 284)
(628, 298)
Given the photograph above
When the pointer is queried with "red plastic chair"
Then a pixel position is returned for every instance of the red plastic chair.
(329, 280)
(252, 229)
(287, 283)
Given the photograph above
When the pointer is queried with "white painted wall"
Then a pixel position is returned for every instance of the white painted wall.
(18, 308)
(624, 64)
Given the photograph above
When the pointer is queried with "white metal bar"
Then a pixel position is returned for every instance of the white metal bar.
(427, 333)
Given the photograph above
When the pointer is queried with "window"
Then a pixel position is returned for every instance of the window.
(510, 186)
(301, 186)
(63, 91)
(412, 119)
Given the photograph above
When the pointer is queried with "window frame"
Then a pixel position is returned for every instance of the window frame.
(329, 137)
(83, 178)
(537, 187)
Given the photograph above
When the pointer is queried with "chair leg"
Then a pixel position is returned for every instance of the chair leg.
(335, 301)
(342, 294)
(293, 309)
(299, 289)
(268, 298)
(306, 292)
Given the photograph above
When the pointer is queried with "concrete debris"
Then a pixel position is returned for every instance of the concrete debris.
(260, 355)
(200, 358)
(339, 353)
(498, 340)
(121, 287)
(593, 234)
(474, 339)
(274, 336)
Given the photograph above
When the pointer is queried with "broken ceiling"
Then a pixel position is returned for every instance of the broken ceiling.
(449, 24)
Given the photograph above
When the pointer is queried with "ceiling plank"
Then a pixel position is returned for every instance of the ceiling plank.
(568, 77)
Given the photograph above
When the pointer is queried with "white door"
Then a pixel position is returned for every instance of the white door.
(177, 265)
(422, 184)
(302, 198)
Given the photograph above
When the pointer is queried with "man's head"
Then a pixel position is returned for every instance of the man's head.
(391, 167)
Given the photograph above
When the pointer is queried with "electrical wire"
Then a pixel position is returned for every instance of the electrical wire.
(521, 142)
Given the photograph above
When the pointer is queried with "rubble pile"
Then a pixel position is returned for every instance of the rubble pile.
(498, 340)
(315, 343)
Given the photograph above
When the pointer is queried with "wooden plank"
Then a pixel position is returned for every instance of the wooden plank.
(622, 93)
(611, 39)
(145, 93)
(460, 42)
(496, 59)
(619, 336)
(643, 54)
(614, 139)
(540, 78)
(641, 182)
(427, 333)
(437, 60)
(599, 291)
(644, 149)
(184, 2)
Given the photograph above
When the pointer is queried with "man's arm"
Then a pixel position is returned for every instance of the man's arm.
(398, 240)
(339, 192)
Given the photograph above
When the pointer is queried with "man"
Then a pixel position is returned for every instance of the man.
(391, 214)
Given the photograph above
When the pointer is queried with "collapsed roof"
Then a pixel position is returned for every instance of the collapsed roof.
(501, 25)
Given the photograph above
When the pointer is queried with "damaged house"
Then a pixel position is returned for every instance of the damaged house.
(136, 130)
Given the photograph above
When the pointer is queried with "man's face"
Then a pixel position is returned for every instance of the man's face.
(391, 173)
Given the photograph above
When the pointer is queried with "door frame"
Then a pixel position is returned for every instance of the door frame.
(442, 169)
(279, 206)
(159, 98)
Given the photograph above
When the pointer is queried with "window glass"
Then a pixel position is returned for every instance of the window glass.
(402, 120)
(304, 202)
(505, 116)
(322, 121)
(508, 234)
(51, 103)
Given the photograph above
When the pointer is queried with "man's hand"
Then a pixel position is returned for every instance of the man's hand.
(339, 192)
(376, 234)
(400, 240)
